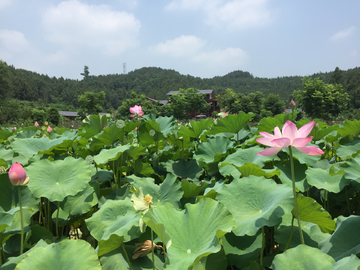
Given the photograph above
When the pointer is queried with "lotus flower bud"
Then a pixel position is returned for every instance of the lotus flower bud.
(292, 103)
(49, 129)
(17, 175)
(36, 124)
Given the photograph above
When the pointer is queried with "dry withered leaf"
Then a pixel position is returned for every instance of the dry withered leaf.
(142, 249)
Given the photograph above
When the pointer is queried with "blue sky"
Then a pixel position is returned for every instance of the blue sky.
(202, 38)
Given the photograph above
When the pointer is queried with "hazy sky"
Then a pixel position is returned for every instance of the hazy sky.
(202, 38)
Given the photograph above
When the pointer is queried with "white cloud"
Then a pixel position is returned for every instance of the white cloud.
(73, 23)
(5, 3)
(229, 57)
(13, 41)
(181, 46)
(238, 14)
(343, 33)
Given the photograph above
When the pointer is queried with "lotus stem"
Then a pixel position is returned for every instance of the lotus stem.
(98, 178)
(152, 249)
(291, 233)
(57, 222)
(126, 255)
(347, 200)
(262, 246)
(22, 223)
(295, 197)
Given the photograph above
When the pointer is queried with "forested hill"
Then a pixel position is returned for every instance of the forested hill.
(151, 81)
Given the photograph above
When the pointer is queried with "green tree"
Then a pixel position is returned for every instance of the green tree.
(188, 101)
(86, 72)
(91, 103)
(337, 77)
(320, 100)
(274, 104)
(53, 116)
(123, 111)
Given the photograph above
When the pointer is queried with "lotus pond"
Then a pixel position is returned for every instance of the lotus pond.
(101, 196)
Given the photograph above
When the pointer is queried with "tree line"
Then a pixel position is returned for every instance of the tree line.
(39, 91)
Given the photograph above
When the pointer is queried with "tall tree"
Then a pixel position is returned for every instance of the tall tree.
(86, 72)
(91, 103)
(320, 100)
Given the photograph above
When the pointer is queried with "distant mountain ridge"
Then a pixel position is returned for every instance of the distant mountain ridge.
(153, 82)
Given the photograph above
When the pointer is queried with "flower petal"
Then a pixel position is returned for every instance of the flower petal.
(310, 150)
(306, 129)
(266, 141)
(281, 142)
(267, 135)
(277, 132)
(290, 130)
(269, 151)
(301, 142)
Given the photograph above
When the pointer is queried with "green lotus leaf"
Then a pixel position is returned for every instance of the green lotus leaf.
(269, 123)
(39, 232)
(302, 257)
(254, 266)
(92, 125)
(11, 263)
(214, 261)
(311, 211)
(184, 168)
(232, 123)
(320, 132)
(191, 234)
(26, 134)
(106, 246)
(6, 156)
(136, 150)
(241, 250)
(107, 137)
(347, 150)
(9, 202)
(31, 146)
(248, 155)
(245, 170)
(59, 179)
(304, 158)
(116, 260)
(169, 191)
(145, 131)
(107, 155)
(192, 189)
(4, 134)
(166, 124)
(349, 127)
(114, 217)
(213, 150)
(311, 232)
(255, 202)
(349, 263)
(81, 202)
(351, 168)
(327, 179)
(343, 242)
(300, 176)
(5, 220)
(68, 254)
(196, 128)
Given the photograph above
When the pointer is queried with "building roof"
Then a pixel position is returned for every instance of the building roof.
(200, 92)
(68, 114)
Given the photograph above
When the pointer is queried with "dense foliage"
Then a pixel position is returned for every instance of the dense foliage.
(199, 191)
(152, 82)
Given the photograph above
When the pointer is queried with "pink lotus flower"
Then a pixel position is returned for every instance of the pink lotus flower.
(36, 124)
(17, 175)
(290, 136)
(49, 129)
(292, 104)
(14, 128)
(136, 111)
